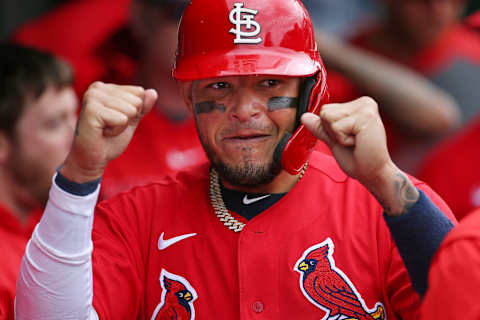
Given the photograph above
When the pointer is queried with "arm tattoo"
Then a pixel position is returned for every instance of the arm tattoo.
(400, 198)
(405, 192)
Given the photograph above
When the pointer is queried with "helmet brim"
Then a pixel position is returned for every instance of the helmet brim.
(245, 61)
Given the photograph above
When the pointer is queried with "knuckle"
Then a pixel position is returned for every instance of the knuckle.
(368, 103)
(336, 127)
(96, 85)
(326, 112)
(87, 95)
(92, 93)
(88, 98)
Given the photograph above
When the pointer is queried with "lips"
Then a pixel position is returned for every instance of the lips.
(246, 136)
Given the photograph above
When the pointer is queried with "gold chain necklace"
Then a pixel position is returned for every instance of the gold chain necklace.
(219, 207)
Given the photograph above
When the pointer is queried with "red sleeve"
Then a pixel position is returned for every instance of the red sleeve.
(453, 279)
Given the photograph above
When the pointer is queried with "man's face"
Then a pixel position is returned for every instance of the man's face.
(424, 20)
(155, 27)
(42, 140)
(240, 121)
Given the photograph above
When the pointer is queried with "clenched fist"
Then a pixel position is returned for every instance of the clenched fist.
(108, 119)
(356, 136)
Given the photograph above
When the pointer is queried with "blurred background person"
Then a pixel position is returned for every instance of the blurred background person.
(127, 42)
(342, 18)
(453, 278)
(451, 168)
(427, 37)
(405, 97)
(38, 109)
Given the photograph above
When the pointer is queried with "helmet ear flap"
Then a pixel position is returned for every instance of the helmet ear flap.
(304, 97)
(297, 149)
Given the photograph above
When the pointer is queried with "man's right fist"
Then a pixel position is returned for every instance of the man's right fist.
(108, 119)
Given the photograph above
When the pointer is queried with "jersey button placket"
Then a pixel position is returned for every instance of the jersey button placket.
(257, 306)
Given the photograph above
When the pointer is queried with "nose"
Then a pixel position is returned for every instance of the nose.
(246, 106)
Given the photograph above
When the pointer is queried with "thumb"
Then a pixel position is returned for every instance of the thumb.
(314, 124)
(149, 99)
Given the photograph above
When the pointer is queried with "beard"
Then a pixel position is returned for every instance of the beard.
(246, 174)
(32, 176)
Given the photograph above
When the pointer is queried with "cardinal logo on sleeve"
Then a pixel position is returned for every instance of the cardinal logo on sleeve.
(177, 298)
(328, 288)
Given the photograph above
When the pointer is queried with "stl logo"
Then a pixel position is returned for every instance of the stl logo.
(240, 16)
(328, 288)
(177, 298)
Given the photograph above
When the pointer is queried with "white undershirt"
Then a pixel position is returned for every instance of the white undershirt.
(55, 279)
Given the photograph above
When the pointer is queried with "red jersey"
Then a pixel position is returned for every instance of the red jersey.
(322, 250)
(13, 240)
(454, 278)
(452, 170)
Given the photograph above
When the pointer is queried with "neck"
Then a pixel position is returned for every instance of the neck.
(282, 183)
(15, 198)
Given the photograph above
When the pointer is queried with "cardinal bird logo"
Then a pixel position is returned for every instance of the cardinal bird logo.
(328, 288)
(177, 298)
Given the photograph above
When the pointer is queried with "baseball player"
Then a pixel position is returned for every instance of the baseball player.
(264, 230)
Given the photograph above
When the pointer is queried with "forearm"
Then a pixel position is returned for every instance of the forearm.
(409, 99)
(393, 190)
(55, 279)
(417, 225)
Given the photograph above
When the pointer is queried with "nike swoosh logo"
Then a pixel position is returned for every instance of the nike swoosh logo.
(247, 201)
(163, 244)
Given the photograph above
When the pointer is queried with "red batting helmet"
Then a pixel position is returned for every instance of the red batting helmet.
(219, 38)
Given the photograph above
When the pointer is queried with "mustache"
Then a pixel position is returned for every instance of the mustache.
(252, 125)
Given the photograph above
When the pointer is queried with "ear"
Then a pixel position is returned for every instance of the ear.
(5, 146)
(186, 92)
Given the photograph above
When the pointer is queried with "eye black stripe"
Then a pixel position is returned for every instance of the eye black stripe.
(208, 106)
(277, 103)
